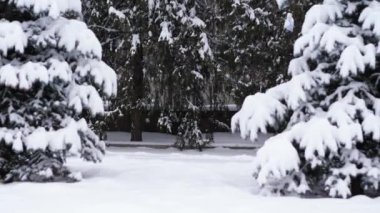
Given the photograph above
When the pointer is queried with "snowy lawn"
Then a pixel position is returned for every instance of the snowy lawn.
(145, 180)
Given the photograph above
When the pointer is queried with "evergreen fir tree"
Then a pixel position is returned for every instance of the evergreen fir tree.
(51, 76)
(185, 42)
(327, 116)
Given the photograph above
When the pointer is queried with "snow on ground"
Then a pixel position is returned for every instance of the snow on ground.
(150, 181)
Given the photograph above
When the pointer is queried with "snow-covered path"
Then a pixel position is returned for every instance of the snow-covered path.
(158, 181)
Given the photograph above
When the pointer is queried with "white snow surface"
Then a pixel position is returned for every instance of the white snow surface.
(147, 181)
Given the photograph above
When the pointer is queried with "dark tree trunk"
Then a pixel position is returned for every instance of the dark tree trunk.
(136, 125)
(356, 187)
(137, 94)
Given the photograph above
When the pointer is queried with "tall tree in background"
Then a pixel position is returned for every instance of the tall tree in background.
(123, 27)
(183, 40)
(136, 14)
(255, 47)
(50, 78)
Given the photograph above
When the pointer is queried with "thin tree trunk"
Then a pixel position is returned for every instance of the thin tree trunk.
(138, 94)
(136, 125)
(356, 187)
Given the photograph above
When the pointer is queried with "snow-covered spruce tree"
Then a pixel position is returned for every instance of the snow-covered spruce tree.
(51, 75)
(327, 117)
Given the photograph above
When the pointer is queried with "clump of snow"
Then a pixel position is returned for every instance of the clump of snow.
(24, 76)
(205, 49)
(54, 7)
(339, 188)
(68, 136)
(370, 18)
(352, 62)
(85, 97)
(59, 33)
(116, 12)
(298, 66)
(84, 40)
(316, 137)
(59, 70)
(371, 124)
(47, 173)
(135, 42)
(267, 109)
(197, 74)
(103, 75)
(289, 22)
(54, 140)
(12, 36)
(165, 34)
(309, 40)
(276, 159)
(281, 3)
(321, 13)
(195, 21)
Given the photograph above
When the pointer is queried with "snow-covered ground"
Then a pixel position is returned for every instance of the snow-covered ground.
(149, 181)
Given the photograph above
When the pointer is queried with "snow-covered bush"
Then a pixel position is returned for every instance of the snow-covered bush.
(186, 125)
(189, 135)
(327, 117)
(51, 76)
